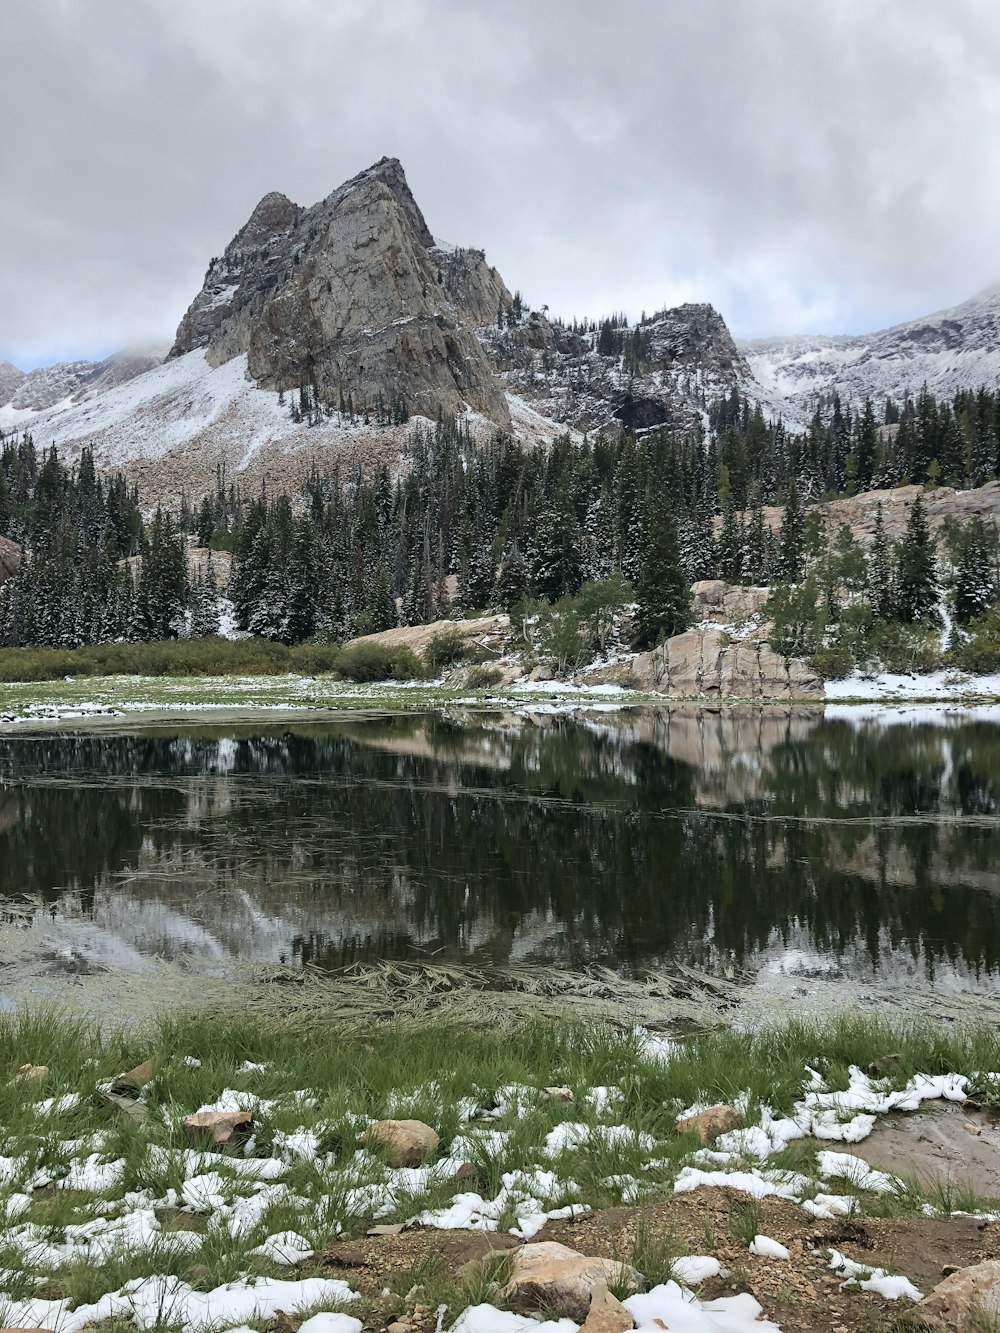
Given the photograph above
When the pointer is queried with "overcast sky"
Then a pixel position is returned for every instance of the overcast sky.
(805, 165)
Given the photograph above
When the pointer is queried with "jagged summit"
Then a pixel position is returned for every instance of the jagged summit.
(344, 296)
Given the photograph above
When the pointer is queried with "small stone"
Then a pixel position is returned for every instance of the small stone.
(125, 1106)
(606, 1314)
(404, 1142)
(136, 1078)
(31, 1074)
(224, 1128)
(883, 1066)
(465, 1173)
(385, 1229)
(949, 1269)
(346, 1255)
(556, 1095)
(709, 1124)
(548, 1275)
(399, 1326)
(970, 1128)
(963, 1302)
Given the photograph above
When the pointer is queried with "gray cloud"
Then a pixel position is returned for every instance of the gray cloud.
(827, 166)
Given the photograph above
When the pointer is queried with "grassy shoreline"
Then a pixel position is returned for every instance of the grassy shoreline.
(100, 700)
(605, 1140)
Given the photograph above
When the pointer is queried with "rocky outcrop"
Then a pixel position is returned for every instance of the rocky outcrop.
(684, 355)
(489, 633)
(554, 1277)
(714, 599)
(10, 559)
(707, 662)
(352, 297)
(10, 381)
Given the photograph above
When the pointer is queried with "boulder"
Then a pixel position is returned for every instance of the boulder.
(710, 1123)
(556, 1095)
(404, 1142)
(606, 1314)
(714, 599)
(707, 662)
(223, 1128)
(963, 1302)
(491, 634)
(548, 1275)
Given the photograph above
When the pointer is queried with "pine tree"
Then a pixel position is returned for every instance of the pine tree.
(975, 580)
(916, 581)
(791, 539)
(881, 592)
(663, 596)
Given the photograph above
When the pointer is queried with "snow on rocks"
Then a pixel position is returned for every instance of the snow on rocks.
(676, 1308)
(766, 1248)
(889, 1285)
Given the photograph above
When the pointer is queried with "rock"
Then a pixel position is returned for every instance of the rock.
(31, 1074)
(606, 1314)
(353, 297)
(223, 1128)
(10, 559)
(710, 1123)
(136, 1078)
(883, 1066)
(714, 599)
(547, 1274)
(962, 1302)
(489, 633)
(10, 380)
(125, 1106)
(404, 1142)
(706, 662)
(556, 1095)
(541, 673)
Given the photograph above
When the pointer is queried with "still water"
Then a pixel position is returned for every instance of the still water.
(786, 841)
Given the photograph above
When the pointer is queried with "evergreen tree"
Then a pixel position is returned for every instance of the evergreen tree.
(975, 578)
(663, 596)
(916, 580)
(881, 582)
(791, 539)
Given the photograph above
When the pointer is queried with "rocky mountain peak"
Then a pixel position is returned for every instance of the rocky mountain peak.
(347, 297)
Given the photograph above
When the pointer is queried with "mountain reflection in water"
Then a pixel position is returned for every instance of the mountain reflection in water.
(774, 838)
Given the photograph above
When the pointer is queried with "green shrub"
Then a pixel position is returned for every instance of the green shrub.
(169, 657)
(446, 649)
(833, 662)
(905, 648)
(313, 659)
(799, 621)
(483, 677)
(980, 653)
(378, 661)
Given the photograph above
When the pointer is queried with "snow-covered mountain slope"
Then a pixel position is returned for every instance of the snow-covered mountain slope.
(72, 381)
(950, 350)
(172, 427)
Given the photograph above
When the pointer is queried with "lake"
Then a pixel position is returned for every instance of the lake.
(772, 843)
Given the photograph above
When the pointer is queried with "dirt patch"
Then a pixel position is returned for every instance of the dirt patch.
(943, 1144)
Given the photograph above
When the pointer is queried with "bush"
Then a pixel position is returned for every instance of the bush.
(482, 677)
(378, 661)
(799, 620)
(168, 657)
(446, 649)
(905, 648)
(980, 653)
(833, 662)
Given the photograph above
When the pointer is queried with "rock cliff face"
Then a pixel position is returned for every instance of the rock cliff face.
(352, 296)
(706, 662)
(688, 357)
(10, 381)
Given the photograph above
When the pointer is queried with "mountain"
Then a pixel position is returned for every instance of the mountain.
(355, 301)
(950, 350)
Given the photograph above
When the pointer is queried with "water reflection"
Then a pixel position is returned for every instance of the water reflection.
(778, 839)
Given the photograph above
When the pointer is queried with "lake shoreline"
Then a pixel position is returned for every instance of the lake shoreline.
(102, 702)
(564, 1133)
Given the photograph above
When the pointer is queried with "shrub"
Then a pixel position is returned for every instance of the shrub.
(482, 677)
(313, 659)
(378, 661)
(445, 649)
(799, 620)
(980, 653)
(169, 657)
(905, 648)
(833, 662)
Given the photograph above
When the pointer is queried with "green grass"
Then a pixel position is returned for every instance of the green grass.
(424, 1071)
